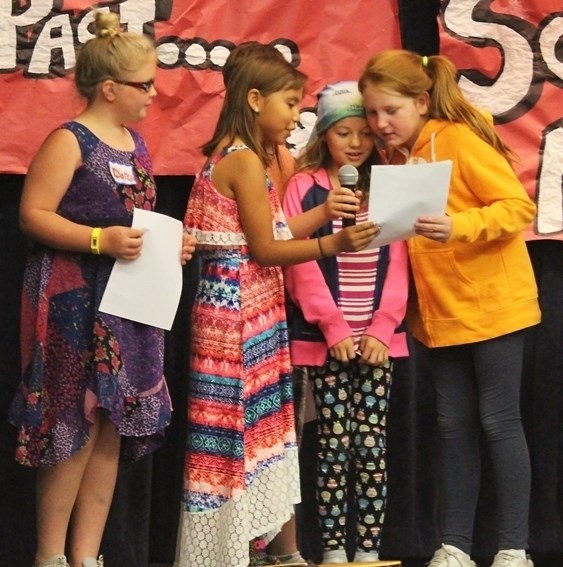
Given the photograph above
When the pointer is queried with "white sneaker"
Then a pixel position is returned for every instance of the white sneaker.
(56, 561)
(511, 558)
(365, 556)
(331, 556)
(450, 556)
(93, 562)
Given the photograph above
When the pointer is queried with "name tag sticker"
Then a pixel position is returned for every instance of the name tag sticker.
(122, 173)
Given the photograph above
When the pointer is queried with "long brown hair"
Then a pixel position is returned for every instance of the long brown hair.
(409, 74)
(266, 74)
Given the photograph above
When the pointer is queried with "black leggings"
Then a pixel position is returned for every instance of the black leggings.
(478, 386)
(352, 401)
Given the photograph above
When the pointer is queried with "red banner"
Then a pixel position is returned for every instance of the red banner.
(327, 40)
(509, 55)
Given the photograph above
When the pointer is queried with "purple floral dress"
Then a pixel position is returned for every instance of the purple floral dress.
(75, 359)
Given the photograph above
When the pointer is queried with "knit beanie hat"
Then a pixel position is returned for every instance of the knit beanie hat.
(338, 101)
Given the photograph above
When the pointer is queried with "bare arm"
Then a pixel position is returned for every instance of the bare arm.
(241, 176)
(46, 183)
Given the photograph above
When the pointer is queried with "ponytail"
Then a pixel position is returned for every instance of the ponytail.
(410, 74)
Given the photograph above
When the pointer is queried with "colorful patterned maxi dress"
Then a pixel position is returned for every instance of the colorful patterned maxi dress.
(241, 477)
(76, 359)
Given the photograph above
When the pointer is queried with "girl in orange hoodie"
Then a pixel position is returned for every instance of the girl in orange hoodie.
(475, 291)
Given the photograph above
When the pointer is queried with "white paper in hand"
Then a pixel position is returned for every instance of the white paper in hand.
(148, 289)
(399, 194)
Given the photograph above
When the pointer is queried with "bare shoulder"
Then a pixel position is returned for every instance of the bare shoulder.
(60, 145)
(61, 136)
(236, 169)
(52, 169)
(242, 158)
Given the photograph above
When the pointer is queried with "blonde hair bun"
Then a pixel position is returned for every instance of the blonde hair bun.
(107, 24)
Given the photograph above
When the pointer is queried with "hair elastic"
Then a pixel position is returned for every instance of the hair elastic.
(321, 248)
(425, 61)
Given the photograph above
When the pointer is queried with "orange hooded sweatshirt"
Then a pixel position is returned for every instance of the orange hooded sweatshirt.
(480, 284)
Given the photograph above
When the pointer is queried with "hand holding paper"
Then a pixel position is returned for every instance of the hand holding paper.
(148, 289)
(400, 194)
(435, 227)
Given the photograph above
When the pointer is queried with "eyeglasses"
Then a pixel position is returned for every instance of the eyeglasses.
(144, 86)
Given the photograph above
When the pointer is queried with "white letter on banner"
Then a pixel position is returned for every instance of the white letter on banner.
(9, 24)
(517, 69)
(137, 13)
(41, 58)
(549, 40)
(549, 197)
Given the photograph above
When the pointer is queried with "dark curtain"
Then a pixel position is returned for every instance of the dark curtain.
(17, 510)
(542, 404)
(419, 25)
(144, 515)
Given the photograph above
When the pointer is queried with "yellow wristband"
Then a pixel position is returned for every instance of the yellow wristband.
(95, 240)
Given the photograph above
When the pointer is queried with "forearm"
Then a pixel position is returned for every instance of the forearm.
(308, 222)
(51, 229)
(296, 251)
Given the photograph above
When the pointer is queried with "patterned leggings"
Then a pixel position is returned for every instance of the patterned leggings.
(351, 402)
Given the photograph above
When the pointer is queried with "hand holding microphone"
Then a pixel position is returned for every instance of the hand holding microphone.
(348, 178)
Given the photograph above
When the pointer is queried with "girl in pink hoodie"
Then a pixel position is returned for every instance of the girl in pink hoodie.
(344, 324)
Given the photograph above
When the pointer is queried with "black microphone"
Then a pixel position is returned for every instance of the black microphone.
(348, 177)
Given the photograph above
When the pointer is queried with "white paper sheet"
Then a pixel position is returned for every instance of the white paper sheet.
(148, 289)
(399, 194)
